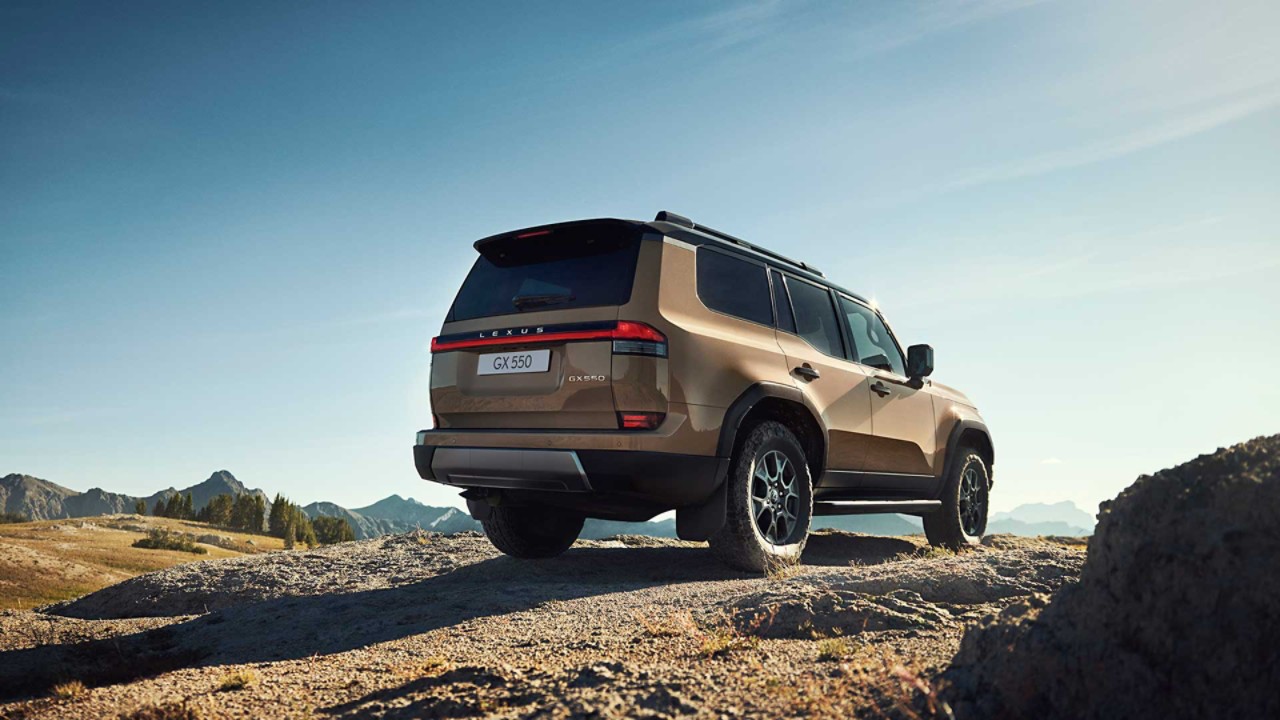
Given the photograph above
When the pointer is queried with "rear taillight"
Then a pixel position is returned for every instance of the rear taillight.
(629, 338)
(640, 420)
(635, 338)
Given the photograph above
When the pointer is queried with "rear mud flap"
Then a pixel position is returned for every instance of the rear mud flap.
(697, 523)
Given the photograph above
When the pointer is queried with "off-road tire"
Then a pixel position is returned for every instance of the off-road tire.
(741, 543)
(946, 527)
(532, 532)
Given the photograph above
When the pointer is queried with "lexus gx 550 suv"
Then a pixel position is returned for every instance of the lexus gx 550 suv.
(619, 369)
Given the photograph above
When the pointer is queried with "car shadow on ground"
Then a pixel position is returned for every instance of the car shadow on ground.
(293, 627)
(843, 549)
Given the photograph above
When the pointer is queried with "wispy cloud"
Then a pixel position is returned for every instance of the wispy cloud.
(931, 19)
(733, 26)
(1184, 126)
(54, 416)
(1171, 255)
(856, 30)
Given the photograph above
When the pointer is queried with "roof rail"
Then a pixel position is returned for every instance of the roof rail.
(674, 219)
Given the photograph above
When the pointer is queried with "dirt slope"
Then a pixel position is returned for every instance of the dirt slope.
(47, 561)
(422, 625)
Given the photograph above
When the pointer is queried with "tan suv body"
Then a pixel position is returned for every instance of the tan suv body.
(618, 369)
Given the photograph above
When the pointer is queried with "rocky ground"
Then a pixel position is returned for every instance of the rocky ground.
(423, 625)
(1175, 612)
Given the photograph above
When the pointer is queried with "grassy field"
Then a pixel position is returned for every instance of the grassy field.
(51, 560)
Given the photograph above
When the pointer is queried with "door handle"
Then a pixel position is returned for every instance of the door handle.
(807, 372)
(880, 388)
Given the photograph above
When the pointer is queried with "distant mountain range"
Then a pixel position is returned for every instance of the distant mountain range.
(43, 500)
(1060, 518)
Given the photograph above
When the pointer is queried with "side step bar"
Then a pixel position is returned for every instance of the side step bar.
(869, 507)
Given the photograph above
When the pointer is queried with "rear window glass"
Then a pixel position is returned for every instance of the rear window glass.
(816, 320)
(735, 287)
(574, 267)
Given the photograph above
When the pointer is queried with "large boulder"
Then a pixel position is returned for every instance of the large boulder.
(1177, 612)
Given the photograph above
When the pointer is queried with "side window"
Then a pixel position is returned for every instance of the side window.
(734, 286)
(782, 304)
(816, 319)
(872, 344)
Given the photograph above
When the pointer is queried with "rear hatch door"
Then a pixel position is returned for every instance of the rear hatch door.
(527, 344)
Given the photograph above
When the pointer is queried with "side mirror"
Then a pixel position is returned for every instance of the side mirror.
(919, 361)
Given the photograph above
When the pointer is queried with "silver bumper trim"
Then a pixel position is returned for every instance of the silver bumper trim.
(510, 469)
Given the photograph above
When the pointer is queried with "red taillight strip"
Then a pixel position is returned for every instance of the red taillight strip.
(640, 420)
(632, 330)
(623, 330)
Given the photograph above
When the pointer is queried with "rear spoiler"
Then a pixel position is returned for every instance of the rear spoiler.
(495, 246)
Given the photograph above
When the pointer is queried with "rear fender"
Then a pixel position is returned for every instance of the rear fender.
(752, 396)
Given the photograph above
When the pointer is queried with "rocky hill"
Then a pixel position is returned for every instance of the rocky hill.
(402, 510)
(364, 527)
(35, 498)
(395, 514)
(43, 500)
(219, 483)
(1176, 615)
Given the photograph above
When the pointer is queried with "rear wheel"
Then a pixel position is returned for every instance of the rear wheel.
(769, 502)
(531, 531)
(963, 517)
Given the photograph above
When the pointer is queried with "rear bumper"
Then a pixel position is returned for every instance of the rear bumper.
(579, 477)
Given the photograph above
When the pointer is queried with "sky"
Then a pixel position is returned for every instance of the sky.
(228, 231)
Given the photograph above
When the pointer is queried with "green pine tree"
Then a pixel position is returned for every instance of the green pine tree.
(160, 509)
(218, 511)
(330, 530)
(140, 507)
(304, 531)
(259, 513)
(278, 518)
(242, 513)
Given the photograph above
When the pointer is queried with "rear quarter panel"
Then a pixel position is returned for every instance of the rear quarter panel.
(714, 357)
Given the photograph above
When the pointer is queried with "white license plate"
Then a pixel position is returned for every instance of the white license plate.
(509, 363)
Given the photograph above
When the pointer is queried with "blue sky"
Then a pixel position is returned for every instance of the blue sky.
(228, 231)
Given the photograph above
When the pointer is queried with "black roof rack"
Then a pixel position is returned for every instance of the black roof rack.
(674, 219)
